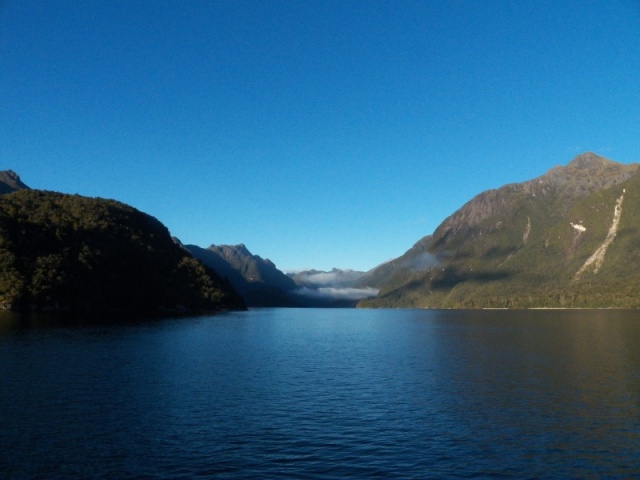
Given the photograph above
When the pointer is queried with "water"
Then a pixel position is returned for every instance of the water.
(287, 393)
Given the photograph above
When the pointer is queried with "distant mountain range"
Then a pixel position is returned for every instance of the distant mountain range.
(261, 284)
(258, 280)
(46, 275)
(569, 238)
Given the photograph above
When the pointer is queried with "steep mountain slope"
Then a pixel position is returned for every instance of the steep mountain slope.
(10, 182)
(416, 259)
(67, 252)
(261, 284)
(566, 239)
(258, 280)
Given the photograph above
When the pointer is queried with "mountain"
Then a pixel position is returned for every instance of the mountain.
(261, 284)
(258, 280)
(10, 182)
(337, 288)
(569, 238)
(68, 252)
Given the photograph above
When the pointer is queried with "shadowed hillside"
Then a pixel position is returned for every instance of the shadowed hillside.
(258, 280)
(67, 252)
(261, 284)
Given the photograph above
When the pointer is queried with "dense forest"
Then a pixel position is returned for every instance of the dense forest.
(68, 252)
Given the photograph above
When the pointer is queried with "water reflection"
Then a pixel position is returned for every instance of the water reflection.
(543, 385)
(324, 393)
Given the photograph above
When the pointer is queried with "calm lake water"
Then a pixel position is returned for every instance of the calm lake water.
(295, 393)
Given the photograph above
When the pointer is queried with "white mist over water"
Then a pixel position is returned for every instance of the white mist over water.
(344, 293)
(334, 285)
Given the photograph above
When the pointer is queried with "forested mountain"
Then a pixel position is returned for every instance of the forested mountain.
(68, 252)
(569, 238)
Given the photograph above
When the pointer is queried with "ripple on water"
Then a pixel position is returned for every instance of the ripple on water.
(325, 394)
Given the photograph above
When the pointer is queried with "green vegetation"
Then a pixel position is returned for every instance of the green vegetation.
(70, 252)
(522, 246)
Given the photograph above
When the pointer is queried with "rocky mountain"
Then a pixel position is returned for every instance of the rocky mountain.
(569, 238)
(262, 284)
(258, 280)
(10, 182)
(68, 252)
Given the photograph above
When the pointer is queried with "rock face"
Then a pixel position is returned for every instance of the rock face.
(258, 280)
(10, 182)
(522, 245)
(585, 174)
(67, 252)
(261, 284)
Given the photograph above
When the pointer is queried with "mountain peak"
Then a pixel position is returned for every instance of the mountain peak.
(591, 162)
(256, 279)
(10, 174)
(10, 182)
(589, 171)
(241, 247)
(526, 245)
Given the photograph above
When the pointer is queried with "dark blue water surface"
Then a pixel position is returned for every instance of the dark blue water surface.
(288, 393)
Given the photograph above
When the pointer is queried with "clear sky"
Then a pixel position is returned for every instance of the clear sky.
(319, 133)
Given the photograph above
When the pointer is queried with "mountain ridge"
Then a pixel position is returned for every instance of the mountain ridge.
(72, 253)
(570, 181)
(262, 284)
(258, 280)
(10, 182)
(567, 238)
(521, 245)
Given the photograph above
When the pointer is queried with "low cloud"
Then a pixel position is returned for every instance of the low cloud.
(335, 278)
(320, 278)
(336, 293)
(424, 261)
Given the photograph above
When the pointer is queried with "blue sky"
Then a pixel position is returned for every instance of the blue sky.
(319, 133)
